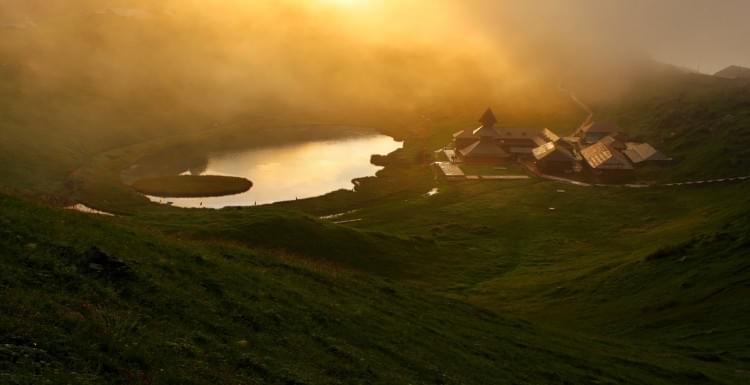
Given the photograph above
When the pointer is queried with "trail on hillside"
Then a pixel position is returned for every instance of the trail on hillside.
(580, 103)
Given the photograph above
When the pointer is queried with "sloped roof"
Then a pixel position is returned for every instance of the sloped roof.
(488, 118)
(539, 140)
(642, 152)
(570, 142)
(517, 133)
(602, 157)
(538, 136)
(734, 72)
(553, 152)
(548, 135)
(483, 149)
(467, 133)
(485, 131)
(612, 141)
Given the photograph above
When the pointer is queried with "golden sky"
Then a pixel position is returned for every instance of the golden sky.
(404, 53)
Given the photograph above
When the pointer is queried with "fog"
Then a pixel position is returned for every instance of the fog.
(222, 58)
(697, 34)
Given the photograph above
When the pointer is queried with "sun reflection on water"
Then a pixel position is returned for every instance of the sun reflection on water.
(294, 171)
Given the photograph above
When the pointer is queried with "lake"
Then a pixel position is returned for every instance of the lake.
(290, 172)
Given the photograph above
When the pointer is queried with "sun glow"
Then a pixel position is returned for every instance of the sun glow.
(347, 3)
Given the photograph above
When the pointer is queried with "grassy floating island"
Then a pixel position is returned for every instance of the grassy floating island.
(192, 186)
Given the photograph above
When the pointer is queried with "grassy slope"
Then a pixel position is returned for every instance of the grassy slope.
(606, 263)
(699, 120)
(662, 267)
(213, 313)
(584, 264)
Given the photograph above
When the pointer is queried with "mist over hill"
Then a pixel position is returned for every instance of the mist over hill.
(230, 57)
(404, 277)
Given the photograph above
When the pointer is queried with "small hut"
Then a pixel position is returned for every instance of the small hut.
(643, 153)
(554, 157)
(606, 162)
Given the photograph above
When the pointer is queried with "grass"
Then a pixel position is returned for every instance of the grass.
(188, 186)
(479, 283)
(196, 312)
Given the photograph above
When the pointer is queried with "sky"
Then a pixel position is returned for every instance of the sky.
(705, 35)
(222, 56)
(697, 34)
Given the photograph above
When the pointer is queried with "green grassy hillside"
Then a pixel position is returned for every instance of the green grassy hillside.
(494, 282)
(151, 309)
(701, 121)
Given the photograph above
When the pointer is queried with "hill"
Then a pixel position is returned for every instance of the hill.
(734, 72)
(699, 120)
(92, 300)
(481, 283)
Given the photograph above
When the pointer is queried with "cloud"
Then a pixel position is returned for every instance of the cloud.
(691, 33)
(227, 57)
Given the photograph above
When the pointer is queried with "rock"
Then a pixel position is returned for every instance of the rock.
(14, 353)
(96, 266)
(379, 160)
(102, 263)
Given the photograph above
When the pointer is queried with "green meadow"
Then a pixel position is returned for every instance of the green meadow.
(492, 282)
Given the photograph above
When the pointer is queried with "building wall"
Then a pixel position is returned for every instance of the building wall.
(460, 143)
(554, 167)
(486, 160)
(517, 142)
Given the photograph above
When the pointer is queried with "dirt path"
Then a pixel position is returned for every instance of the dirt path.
(580, 103)
(532, 169)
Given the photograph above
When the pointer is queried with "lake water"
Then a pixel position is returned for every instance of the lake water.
(294, 171)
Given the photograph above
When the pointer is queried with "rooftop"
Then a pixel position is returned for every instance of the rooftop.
(484, 149)
(600, 156)
(554, 152)
(641, 152)
(488, 119)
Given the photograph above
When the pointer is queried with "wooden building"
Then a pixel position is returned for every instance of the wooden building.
(513, 141)
(484, 150)
(467, 137)
(644, 153)
(464, 138)
(555, 158)
(606, 163)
